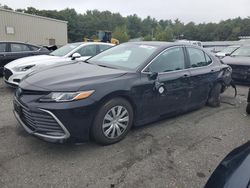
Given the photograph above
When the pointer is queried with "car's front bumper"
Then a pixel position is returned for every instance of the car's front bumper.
(240, 73)
(30, 124)
(13, 78)
(55, 122)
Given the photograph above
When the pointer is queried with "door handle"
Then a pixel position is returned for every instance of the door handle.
(212, 70)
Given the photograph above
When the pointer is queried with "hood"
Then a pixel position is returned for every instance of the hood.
(37, 60)
(69, 77)
(236, 60)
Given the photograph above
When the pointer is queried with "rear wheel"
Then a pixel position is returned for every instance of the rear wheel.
(113, 121)
(214, 97)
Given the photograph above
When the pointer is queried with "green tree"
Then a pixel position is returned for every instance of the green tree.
(121, 33)
(87, 24)
(148, 38)
(163, 34)
(134, 25)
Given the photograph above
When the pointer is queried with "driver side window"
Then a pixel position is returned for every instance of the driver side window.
(170, 60)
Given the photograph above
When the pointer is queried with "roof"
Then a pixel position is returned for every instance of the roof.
(33, 15)
(19, 42)
(163, 44)
(154, 43)
(81, 43)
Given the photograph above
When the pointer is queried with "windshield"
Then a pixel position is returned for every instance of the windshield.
(229, 49)
(243, 51)
(65, 49)
(128, 56)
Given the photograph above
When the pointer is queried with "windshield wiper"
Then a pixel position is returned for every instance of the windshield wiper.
(85, 61)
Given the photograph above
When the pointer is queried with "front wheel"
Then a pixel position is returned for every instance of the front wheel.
(113, 121)
(214, 97)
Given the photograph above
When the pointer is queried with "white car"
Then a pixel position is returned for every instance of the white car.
(16, 70)
(227, 51)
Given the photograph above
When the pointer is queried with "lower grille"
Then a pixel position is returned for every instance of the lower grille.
(7, 73)
(240, 72)
(41, 122)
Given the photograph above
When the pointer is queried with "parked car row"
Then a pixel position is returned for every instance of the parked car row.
(10, 51)
(16, 70)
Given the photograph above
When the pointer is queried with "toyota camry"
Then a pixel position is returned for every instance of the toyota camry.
(128, 85)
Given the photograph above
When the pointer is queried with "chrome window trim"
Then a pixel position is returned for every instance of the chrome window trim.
(145, 72)
(185, 69)
(65, 136)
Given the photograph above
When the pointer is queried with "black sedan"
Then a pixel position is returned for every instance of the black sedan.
(129, 85)
(10, 51)
(239, 60)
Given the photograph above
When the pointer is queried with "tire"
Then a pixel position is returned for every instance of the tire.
(214, 97)
(113, 121)
(248, 108)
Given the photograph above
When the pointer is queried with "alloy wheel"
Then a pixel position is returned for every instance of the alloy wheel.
(115, 122)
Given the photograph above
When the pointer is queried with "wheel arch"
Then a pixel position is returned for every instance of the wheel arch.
(117, 94)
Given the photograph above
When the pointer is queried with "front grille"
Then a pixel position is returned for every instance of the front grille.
(41, 122)
(7, 74)
(20, 92)
(240, 72)
(241, 68)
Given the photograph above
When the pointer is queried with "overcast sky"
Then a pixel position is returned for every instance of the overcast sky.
(186, 10)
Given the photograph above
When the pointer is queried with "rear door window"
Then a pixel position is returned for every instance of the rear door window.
(16, 47)
(170, 60)
(198, 58)
(33, 48)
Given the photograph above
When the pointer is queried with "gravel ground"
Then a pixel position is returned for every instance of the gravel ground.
(176, 152)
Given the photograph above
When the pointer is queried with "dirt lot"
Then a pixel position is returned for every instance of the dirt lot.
(177, 152)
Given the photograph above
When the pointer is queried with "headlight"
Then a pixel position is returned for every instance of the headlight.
(66, 96)
(24, 68)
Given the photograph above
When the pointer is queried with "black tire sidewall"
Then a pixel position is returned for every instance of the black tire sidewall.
(214, 97)
(97, 131)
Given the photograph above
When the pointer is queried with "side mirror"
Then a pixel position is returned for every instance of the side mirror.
(75, 56)
(153, 75)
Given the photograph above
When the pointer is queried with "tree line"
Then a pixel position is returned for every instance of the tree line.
(132, 26)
